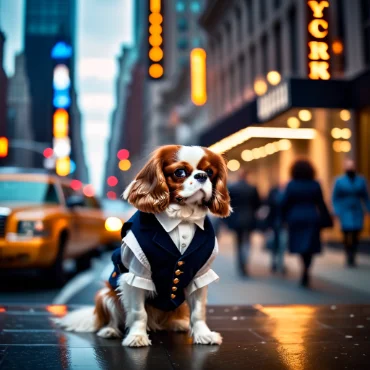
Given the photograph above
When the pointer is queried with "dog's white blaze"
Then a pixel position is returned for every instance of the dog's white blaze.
(191, 154)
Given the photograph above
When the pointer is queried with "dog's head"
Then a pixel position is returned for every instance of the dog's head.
(184, 175)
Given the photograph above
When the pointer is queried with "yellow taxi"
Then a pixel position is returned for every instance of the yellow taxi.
(44, 221)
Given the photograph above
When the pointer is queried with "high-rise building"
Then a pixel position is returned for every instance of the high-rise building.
(3, 92)
(3, 86)
(46, 23)
(19, 116)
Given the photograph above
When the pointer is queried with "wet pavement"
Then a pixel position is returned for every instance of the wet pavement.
(255, 337)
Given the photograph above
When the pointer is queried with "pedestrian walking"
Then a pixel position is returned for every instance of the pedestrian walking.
(305, 213)
(245, 201)
(277, 237)
(350, 200)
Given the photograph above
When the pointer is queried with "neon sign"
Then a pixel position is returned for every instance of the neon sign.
(61, 50)
(318, 47)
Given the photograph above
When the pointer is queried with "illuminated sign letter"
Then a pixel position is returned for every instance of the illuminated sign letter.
(198, 76)
(319, 71)
(318, 8)
(314, 28)
(318, 50)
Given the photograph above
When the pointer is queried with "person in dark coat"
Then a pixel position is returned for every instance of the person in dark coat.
(275, 223)
(305, 213)
(350, 199)
(245, 201)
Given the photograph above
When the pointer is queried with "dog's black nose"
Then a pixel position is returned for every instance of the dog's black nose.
(201, 177)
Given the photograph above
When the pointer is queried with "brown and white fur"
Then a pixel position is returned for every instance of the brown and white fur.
(170, 181)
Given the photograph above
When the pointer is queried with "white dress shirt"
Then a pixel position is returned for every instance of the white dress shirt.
(181, 233)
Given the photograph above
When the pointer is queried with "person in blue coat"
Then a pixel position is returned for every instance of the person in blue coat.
(350, 199)
(305, 213)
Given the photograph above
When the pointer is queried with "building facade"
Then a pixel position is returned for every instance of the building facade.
(3, 91)
(278, 65)
(19, 116)
(46, 23)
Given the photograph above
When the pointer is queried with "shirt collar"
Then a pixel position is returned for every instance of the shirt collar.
(170, 223)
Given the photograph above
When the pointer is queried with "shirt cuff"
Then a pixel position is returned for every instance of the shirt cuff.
(209, 277)
(137, 281)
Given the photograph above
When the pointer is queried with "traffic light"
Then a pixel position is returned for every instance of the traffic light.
(4, 147)
(60, 123)
(63, 166)
(198, 76)
(155, 39)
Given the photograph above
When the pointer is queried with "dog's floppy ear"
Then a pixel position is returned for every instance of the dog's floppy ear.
(149, 191)
(219, 204)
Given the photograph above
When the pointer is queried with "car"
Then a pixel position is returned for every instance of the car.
(117, 212)
(43, 221)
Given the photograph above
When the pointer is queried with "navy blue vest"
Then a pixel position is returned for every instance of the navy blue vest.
(171, 271)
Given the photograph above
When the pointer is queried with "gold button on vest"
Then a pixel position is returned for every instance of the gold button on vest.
(175, 281)
(173, 296)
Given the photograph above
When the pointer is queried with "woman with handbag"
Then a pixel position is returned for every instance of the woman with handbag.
(305, 213)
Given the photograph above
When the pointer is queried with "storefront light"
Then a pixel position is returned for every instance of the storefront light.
(284, 144)
(305, 115)
(247, 155)
(293, 122)
(256, 153)
(345, 115)
(273, 77)
(260, 86)
(337, 47)
(337, 146)
(262, 152)
(336, 133)
(345, 146)
(270, 148)
(233, 165)
(346, 133)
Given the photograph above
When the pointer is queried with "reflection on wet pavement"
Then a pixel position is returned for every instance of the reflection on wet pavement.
(258, 337)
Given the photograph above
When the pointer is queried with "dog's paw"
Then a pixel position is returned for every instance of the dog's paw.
(207, 337)
(109, 332)
(180, 325)
(137, 340)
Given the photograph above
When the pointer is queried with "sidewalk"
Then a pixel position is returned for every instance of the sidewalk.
(332, 282)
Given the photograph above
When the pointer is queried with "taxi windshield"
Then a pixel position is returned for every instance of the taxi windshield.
(27, 192)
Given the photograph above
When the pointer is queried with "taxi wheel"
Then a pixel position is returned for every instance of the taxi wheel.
(56, 272)
(84, 262)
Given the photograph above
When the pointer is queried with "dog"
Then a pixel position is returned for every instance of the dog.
(161, 272)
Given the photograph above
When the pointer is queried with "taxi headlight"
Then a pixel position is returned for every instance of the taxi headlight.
(31, 228)
(113, 224)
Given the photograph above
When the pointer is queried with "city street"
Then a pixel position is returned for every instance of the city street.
(332, 282)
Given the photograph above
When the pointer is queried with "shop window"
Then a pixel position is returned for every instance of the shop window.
(253, 62)
(228, 36)
(182, 24)
(180, 6)
(241, 62)
(239, 27)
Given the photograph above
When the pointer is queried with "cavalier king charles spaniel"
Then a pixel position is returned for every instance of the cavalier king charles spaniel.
(162, 270)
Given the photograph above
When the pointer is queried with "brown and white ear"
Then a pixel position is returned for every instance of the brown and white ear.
(128, 190)
(219, 204)
(149, 191)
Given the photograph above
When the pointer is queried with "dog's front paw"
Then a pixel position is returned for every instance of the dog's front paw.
(109, 332)
(137, 340)
(210, 337)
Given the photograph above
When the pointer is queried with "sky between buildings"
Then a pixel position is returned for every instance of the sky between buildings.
(103, 26)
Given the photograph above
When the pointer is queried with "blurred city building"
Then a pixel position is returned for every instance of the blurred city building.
(19, 129)
(3, 90)
(127, 124)
(299, 65)
(46, 23)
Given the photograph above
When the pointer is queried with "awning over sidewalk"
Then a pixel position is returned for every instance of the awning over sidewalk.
(292, 93)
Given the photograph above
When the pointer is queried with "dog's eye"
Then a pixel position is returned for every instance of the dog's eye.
(209, 172)
(180, 173)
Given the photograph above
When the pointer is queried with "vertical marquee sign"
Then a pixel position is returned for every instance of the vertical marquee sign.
(318, 40)
(61, 55)
(155, 39)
